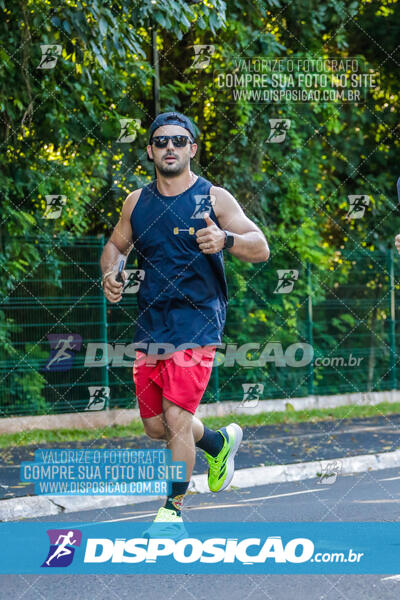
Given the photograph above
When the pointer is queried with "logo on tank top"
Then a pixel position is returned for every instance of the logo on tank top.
(178, 230)
(204, 204)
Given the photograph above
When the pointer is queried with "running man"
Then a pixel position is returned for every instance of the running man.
(182, 298)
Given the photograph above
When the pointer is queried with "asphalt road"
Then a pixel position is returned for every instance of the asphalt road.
(265, 445)
(371, 496)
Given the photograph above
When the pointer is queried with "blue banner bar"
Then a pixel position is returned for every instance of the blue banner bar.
(255, 547)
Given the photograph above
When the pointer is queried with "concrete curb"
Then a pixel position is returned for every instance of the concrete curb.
(244, 478)
(14, 509)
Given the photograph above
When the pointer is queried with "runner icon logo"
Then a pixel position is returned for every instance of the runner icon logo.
(134, 278)
(279, 127)
(99, 396)
(202, 55)
(286, 280)
(357, 206)
(54, 206)
(204, 203)
(62, 350)
(251, 394)
(330, 472)
(63, 543)
(50, 54)
(129, 130)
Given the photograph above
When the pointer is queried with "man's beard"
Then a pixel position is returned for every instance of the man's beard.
(171, 170)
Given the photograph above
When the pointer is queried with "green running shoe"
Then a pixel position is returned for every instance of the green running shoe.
(166, 524)
(222, 466)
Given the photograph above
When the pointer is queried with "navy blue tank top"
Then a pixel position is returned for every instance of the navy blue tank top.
(183, 296)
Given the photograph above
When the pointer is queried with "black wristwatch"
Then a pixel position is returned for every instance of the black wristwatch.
(229, 239)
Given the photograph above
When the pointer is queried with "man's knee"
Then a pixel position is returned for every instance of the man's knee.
(155, 429)
(177, 419)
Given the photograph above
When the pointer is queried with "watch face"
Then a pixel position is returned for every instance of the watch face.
(229, 240)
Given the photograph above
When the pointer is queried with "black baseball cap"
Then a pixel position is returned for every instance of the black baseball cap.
(172, 118)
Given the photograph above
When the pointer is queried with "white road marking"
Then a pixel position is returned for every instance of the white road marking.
(379, 501)
(389, 479)
(392, 577)
(214, 506)
(152, 514)
(186, 508)
(321, 489)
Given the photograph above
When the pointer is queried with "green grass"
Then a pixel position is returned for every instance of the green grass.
(135, 428)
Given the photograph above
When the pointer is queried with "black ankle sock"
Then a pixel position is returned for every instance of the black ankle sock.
(175, 499)
(211, 442)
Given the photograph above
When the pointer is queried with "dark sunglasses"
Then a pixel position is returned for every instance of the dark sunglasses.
(179, 141)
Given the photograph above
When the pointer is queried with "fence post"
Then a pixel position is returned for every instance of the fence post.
(156, 66)
(310, 330)
(103, 331)
(392, 321)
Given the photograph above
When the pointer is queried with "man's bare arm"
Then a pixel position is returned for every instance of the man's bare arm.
(397, 242)
(249, 245)
(118, 248)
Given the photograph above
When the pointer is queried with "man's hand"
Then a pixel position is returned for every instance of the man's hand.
(112, 288)
(397, 242)
(211, 239)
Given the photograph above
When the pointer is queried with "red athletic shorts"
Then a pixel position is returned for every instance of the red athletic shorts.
(181, 377)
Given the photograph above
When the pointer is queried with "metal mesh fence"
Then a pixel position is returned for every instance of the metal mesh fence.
(289, 333)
